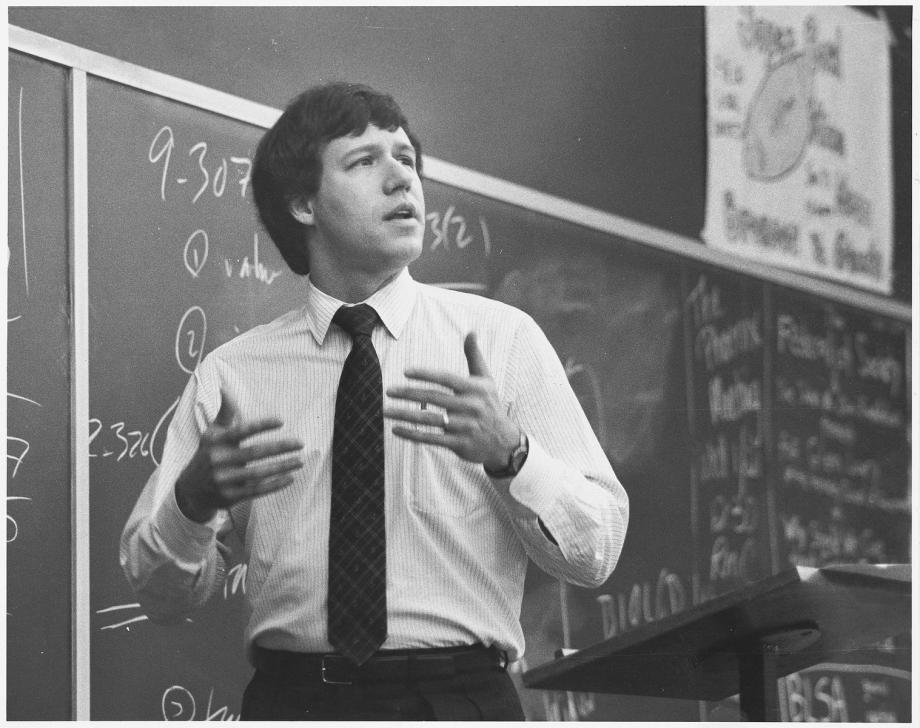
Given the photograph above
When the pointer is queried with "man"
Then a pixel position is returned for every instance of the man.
(385, 564)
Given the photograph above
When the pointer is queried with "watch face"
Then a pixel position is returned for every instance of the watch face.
(519, 456)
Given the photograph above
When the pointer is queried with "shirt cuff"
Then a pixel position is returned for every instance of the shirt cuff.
(536, 485)
(183, 538)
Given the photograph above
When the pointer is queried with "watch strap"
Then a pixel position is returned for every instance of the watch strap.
(515, 460)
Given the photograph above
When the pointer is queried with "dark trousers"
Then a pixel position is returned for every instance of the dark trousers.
(397, 685)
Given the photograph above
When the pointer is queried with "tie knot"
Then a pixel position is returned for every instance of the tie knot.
(356, 320)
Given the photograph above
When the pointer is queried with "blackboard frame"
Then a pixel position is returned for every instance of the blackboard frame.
(84, 63)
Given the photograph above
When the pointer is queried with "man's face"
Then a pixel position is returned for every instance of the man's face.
(368, 214)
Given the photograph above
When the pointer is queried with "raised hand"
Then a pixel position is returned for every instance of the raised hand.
(471, 417)
(225, 471)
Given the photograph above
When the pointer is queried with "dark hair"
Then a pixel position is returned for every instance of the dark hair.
(288, 165)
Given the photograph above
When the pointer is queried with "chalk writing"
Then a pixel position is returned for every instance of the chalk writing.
(730, 402)
(23, 449)
(451, 231)
(568, 705)
(118, 611)
(190, 338)
(22, 196)
(739, 457)
(729, 563)
(195, 253)
(811, 698)
(726, 342)
(122, 613)
(252, 269)
(881, 366)
(705, 303)
(877, 696)
(642, 603)
(20, 445)
(794, 338)
(801, 392)
(841, 452)
(211, 178)
(127, 443)
(178, 703)
(832, 540)
(12, 527)
(718, 347)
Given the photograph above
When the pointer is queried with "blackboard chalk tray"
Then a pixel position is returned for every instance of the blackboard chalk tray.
(797, 618)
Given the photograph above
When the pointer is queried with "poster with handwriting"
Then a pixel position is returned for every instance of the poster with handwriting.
(799, 138)
(38, 437)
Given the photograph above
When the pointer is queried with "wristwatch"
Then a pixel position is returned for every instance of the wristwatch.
(515, 460)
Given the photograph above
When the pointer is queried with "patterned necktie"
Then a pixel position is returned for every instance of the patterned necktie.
(357, 606)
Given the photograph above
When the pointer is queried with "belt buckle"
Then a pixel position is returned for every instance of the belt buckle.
(328, 681)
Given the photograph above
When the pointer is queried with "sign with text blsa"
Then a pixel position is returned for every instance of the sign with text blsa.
(799, 138)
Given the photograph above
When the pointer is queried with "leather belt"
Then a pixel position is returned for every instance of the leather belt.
(385, 666)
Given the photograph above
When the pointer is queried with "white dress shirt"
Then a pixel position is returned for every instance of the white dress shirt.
(457, 541)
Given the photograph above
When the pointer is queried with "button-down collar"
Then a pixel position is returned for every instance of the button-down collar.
(393, 304)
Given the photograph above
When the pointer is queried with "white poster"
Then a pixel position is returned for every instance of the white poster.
(799, 119)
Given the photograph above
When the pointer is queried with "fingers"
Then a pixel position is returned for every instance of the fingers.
(453, 423)
(235, 433)
(239, 483)
(443, 439)
(255, 489)
(243, 455)
(474, 357)
(256, 472)
(459, 383)
(450, 402)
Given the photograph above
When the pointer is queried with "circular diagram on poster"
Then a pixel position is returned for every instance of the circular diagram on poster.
(778, 124)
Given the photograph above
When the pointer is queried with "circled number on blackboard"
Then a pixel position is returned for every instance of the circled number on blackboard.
(178, 703)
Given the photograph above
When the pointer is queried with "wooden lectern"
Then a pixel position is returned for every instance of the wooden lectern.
(741, 642)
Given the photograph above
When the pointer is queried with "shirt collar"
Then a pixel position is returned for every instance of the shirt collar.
(393, 304)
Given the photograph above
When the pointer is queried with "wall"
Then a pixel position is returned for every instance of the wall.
(599, 105)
